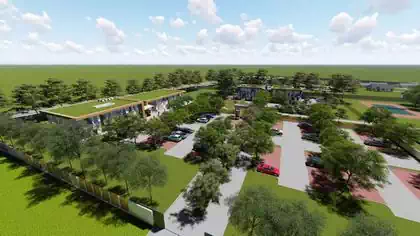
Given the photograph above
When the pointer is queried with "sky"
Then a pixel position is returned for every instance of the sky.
(210, 32)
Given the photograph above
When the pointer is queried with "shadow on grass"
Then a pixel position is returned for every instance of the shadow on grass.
(194, 158)
(189, 217)
(395, 152)
(323, 191)
(148, 147)
(12, 163)
(44, 188)
(93, 208)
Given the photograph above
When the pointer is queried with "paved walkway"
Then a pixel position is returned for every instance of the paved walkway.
(293, 172)
(217, 216)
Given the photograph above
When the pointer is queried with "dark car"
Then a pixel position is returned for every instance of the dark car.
(377, 142)
(304, 125)
(267, 169)
(185, 130)
(311, 137)
(314, 161)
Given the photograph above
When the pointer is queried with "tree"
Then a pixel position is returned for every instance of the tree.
(226, 83)
(216, 167)
(311, 80)
(196, 77)
(227, 153)
(204, 189)
(332, 134)
(298, 79)
(122, 168)
(65, 142)
(3, 100)
(111, 89)
(362, 169)
(55, 92)
(84, 90)
(34, 134)
(341, 113)
(402, 133)
(261, 76)
(413, 95)
(211, 75)
(157, 130)
(340, 83)
(321, 115)
(133, 86)
(174, 118)
(28, 96)
(146, 173)
(174, 79)
(209, 136)
(123, 127)
(262, 98)
(159, 81)
(376, 115)
(362, 225)
(9, 129)
(180, 102)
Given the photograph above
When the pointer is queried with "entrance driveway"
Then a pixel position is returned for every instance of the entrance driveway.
(293, 172)
(178, 221)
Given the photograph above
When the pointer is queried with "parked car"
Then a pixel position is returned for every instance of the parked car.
(209, 115)
(202, 120)
(267, 169)
(314, 161)
(377, 142)
(304, 125)
(311, 137)
(175, 137)
(178, 132)
(275, 131)
(185, 130)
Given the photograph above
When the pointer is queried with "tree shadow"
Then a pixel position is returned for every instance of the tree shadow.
(148, 147)
(324, 191)
(118, 189)
(189, 217)
(194, 158)
(145, 201)
(12, 162)
(28, 172)
(44, 188)
(395, 152)
(94, 208)
(415, 180)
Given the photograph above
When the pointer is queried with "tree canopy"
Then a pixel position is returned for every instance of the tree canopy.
(111, 89)
(363, 225)
(83, 90)
(55, 91)
(413, 95)
(28, 95)
(133, 86)
(3, 99)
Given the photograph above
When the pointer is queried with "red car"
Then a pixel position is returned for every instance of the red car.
(267, 169)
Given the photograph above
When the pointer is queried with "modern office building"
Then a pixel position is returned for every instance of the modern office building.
(148, 104)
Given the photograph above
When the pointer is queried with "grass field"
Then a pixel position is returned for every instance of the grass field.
(33, 205)
(152, 95)
(88, 107)
(10, 76)
(364, 92)
(194, 94)
(334, 222)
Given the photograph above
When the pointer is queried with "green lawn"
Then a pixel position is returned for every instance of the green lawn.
(334, 223)
(152, 94)
(364, 92)
(89, 107)
(194, 94)
(32, 206)
(11, 76)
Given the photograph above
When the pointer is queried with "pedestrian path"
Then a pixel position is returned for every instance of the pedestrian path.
(216, 219)
(293, 172)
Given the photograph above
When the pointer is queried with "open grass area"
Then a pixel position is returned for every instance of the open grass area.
(152, 94)
(11, 76)
(89, 107)
(334, 222)
(34, 205)
(194, 94)
(364, 92)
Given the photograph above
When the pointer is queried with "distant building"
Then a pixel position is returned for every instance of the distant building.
(380, 87)
(249, 91)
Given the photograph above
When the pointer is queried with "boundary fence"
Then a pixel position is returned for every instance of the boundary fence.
(148, 215)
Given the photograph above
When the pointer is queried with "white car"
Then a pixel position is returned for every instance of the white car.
(276, 131)
(202, 120)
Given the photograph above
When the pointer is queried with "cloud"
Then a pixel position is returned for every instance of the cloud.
(190, 49)
(164, 38)
(368, 44)
(349, 32)
(53, 47)
(4, 27)
(389, 6)
(206, 9)
(286, 34)
(290, 49)
(144, 53)
(32, 39)
(253, 27)
(4, 44)
(177, 23)
(202, 35)
(157, 20)
(412, 38)
(243, 16)
(72, 46)
(230, 34)
(114, 37)
(41, 22)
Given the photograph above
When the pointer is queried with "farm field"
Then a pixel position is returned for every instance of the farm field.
(10, 76)
(334, 222)
(34, 205)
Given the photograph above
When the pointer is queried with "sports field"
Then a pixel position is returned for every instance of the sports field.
(10, 76)
(334, 223)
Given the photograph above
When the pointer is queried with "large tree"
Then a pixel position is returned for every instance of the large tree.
(34, 135)
(226, 83)
(147, 172)
(157, 129)
(262, 98)
(83, 90)
(211, 75)
(174, 118)
(174, 79)
(196, 77)
(363, 225)
(111, 89)
(340, 83)
(55, 91)
(28, 95)
(298, 79)
(133, 86)
(160, 81)
(215, 166)
(351, 166)
(9, 129)
(376, 115)
(413, 95)
(227, 153)
(148, 85)
(312, 80)
(204, 189)
(321, 115)
(180, 102)
(123, 127)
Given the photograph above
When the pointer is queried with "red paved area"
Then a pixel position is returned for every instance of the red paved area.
(414, 114)
(278, 125)
(273, 158)
(411, 179)
(168, 145)
(319, 180)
